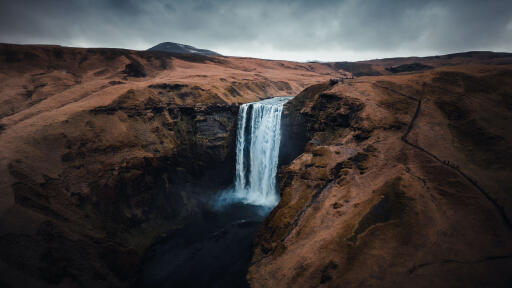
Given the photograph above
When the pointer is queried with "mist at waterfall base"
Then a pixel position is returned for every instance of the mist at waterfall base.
(215, 249)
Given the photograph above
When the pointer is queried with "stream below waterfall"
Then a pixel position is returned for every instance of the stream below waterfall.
(215, 250)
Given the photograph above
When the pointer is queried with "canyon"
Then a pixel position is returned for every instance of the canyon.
(398, 176)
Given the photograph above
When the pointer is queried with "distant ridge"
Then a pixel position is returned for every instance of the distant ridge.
(182, 48)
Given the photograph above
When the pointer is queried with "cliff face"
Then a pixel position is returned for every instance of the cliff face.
(403, 181)
(104, 150)
(120, 175)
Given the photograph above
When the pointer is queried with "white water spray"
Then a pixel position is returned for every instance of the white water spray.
(257, 152)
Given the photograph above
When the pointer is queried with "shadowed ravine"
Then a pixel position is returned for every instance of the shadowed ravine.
(215, 249)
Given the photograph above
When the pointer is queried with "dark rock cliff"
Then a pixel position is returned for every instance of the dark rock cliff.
(131, 171)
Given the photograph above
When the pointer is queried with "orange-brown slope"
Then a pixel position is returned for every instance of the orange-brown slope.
(33, 74)
(405, 181)
(104, 149)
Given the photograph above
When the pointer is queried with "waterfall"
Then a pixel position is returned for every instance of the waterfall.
(257, 151)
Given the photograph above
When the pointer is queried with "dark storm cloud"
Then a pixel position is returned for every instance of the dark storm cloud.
(302, 30)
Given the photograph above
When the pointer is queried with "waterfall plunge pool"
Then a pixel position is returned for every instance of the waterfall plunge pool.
(215, 250)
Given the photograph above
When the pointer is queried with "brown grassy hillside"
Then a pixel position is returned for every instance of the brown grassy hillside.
(405, 181)
(102, 150)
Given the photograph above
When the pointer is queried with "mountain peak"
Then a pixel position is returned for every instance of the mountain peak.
(182, 48)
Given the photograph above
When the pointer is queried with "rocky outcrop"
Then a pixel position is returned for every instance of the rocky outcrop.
(385, 192)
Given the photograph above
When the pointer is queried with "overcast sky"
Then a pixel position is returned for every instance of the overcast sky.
(325, 30)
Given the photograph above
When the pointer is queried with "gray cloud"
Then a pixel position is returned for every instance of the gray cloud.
(299, 30)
